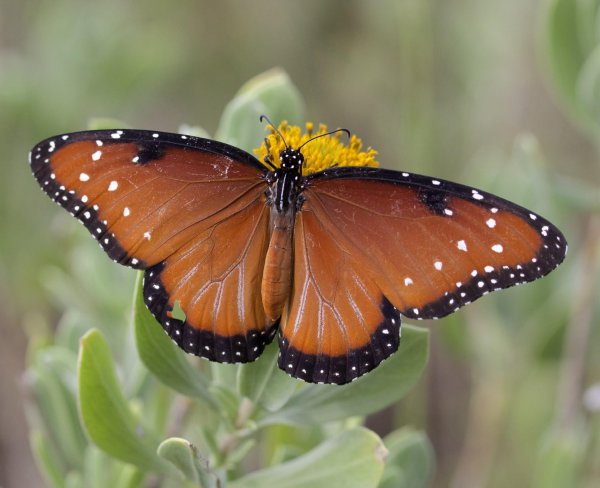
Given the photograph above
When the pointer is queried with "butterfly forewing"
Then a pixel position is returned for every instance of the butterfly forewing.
(433, 245)
(190, 211)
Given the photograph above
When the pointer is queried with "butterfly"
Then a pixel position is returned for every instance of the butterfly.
(331, 258)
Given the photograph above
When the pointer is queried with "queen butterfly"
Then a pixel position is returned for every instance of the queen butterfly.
(326, 248)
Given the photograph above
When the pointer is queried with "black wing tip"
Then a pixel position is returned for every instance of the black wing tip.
(214, 347)
(343, 369)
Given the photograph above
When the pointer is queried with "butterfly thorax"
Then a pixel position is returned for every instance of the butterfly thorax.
(287, 180)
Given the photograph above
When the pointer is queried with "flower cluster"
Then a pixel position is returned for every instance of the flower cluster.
(322, 153)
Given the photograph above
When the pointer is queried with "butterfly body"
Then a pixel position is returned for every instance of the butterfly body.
(284, 197)
(331, 259)
(277, 274)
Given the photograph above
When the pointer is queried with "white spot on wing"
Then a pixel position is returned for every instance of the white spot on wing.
(462, 245)
(84, 177)
(97, 155)
(477, 195)
(113, 185)
(497, 248)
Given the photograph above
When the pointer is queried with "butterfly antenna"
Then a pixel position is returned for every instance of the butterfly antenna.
(326, 134)
(263, 118)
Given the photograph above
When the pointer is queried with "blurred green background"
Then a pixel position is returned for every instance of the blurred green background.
(499, 95)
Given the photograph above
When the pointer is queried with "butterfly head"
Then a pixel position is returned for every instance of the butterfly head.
(291, 160)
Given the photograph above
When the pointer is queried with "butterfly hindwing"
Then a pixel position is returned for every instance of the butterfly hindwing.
(338, 324)
(215, 278)
(189, 211)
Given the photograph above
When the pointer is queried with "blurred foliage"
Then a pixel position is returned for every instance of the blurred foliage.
(447, 88)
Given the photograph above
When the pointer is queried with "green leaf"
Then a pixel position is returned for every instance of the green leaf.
(51, 378)
(105, 413)
(264, 383)
(354, 458)
(410, 461)
(271, 93)
(228, 403)
(46, 460)
(98, 468)
(386, 384)
(129, 477)
(162, 356)
(235, 456)
(184, 456)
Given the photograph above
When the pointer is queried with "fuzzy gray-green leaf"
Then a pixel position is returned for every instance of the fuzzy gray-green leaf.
(104, 410)
(184, 456)
(352, 459)
(410, 461)
(271, 93)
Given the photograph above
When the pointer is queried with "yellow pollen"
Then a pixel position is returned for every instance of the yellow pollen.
(320, 154)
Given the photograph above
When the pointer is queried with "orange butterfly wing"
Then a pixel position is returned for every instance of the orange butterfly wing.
(338, 324)
(189, 211)
(373, 243)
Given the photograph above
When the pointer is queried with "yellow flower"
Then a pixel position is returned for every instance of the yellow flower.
(320, 154)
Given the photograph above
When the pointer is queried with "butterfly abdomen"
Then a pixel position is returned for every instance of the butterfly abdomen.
(277, 274)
